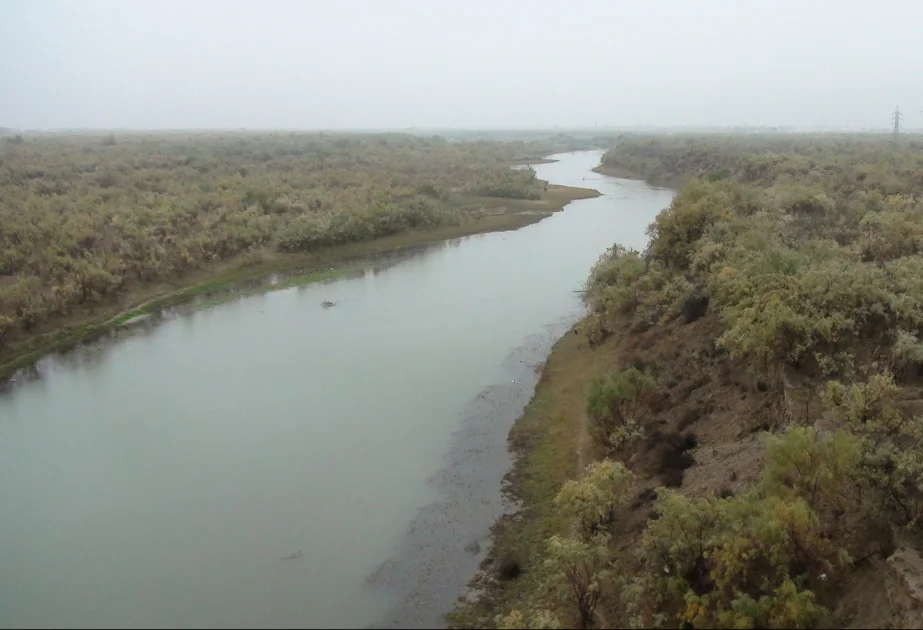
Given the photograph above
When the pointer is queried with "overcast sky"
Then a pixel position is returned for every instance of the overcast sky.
(315, 64)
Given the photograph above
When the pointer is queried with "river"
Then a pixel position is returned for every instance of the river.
(158, 479)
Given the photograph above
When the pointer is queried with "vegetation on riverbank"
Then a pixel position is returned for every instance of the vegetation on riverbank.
(93, 229)
(757, 372)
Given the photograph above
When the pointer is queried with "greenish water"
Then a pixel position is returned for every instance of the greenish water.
(159, 479)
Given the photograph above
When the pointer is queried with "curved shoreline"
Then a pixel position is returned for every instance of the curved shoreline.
(443, 562)
(456, 530)
(236, 276)
(615, 171)
(672, 182)
(546, 446)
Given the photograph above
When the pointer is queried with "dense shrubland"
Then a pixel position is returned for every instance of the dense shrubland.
(845, 163)
(812, 265)
(83, 218)
(805, 254)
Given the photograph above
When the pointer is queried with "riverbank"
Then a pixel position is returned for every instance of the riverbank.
(262, 380)
(674, 182)
(703, 390)
(230, 277)
(534, 162)
(725, 414)
(459, 530)
(615, 171)
(548, 445)
(449, 539)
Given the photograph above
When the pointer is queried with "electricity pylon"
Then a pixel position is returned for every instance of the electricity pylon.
(896, 118)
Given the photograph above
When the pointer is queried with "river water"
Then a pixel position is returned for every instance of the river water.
(157, 480)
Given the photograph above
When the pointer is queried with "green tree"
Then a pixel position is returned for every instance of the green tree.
(891, 442)
(747, 561)
(822, 469)
(577, 571)
(592, 499)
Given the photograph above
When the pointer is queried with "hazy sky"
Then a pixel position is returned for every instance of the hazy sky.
(460, 63)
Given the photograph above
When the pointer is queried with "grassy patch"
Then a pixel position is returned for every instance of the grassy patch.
(230, 293)
(205, 288)
(127, 317)
(316, 276)
(545, 440)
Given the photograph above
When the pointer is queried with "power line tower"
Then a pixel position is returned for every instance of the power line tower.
(896, 118)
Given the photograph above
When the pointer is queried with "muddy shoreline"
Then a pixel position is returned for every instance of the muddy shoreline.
(455, 531)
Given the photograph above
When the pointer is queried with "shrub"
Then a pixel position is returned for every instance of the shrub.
(891, 443)
(675, 231)
(906, 352)
(538, 619)
(820, 468)
(783, 318)
(890, 234)
(612, 289)
(746, 561)
(613, 401)
(93, 213)
(592, 500)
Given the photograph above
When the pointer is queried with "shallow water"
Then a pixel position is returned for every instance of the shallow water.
(158, 480)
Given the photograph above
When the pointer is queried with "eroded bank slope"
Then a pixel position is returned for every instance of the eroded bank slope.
(746, 395)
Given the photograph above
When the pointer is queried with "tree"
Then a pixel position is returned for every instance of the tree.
(747, 561)
(593, 499)
(820, 468)
(577, 570)
(891, 442)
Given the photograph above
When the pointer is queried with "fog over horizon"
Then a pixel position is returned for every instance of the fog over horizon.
(387, 64)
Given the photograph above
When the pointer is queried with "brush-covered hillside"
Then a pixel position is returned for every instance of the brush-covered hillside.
(734, 436)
